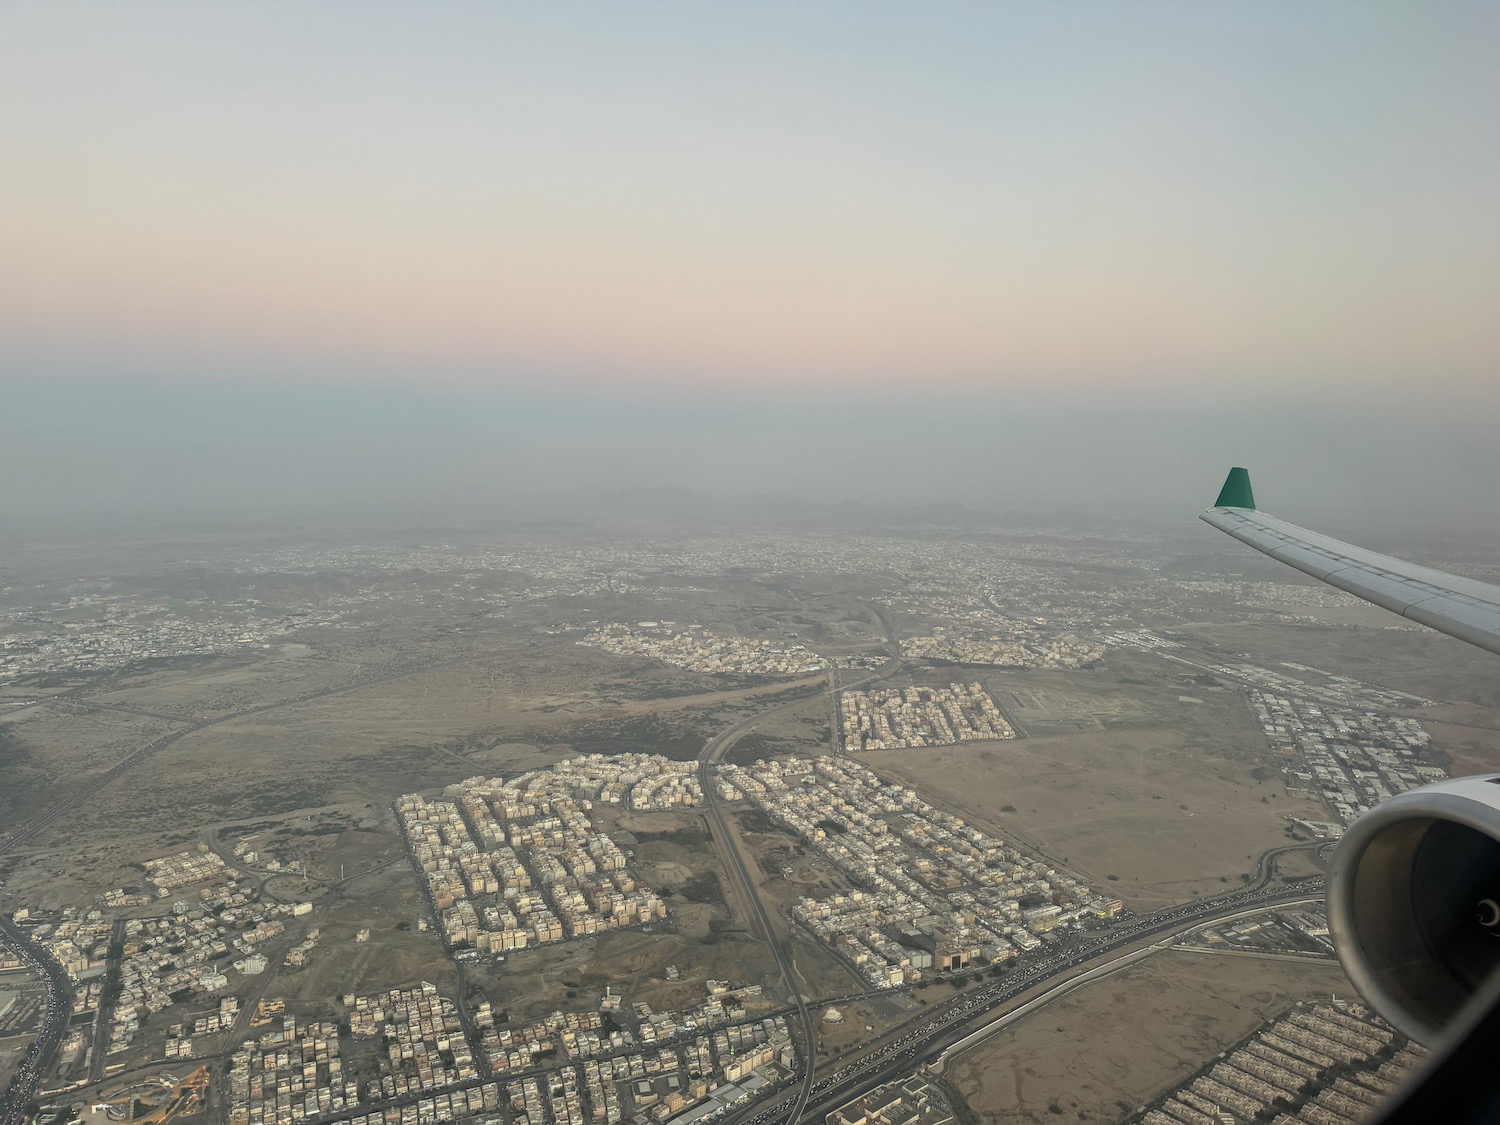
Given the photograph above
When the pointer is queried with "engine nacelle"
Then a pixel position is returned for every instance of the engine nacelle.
(1414, 902)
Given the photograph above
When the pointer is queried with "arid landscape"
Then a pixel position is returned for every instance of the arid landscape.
(1138, 782)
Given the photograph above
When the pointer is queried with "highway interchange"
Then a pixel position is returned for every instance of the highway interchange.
(741, 866)
(893, 1055)
(1092, 956)
(897, 1056)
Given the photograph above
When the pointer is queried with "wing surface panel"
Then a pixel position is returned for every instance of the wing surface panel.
(1461, 607)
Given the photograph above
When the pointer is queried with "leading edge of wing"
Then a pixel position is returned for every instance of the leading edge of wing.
(1461, 607)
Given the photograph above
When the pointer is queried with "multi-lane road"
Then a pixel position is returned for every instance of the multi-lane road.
(978, 1013)
(741, 865)
(899, 1054)
(16, 1100)
(1067, 965)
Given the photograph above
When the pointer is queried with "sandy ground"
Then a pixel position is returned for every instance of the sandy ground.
(60, 746)
(490, 715)
(1163, 813)
(1113, 1045)
(210, 688)
(1420, 661)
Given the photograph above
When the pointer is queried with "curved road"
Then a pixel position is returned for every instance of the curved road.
(18, 1095)
(941, 1030)
(24, 1085)
(712, 753)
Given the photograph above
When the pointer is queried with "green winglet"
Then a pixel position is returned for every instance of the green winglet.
(1236, 491)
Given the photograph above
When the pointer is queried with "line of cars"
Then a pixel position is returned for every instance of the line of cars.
(1069, 953)
(16, 1100)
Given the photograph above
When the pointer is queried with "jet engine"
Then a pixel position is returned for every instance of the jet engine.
(1414, 902)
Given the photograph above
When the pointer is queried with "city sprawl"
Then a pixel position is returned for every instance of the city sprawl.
(528, 853)
(689, 828)
(942, 894)
(896, 718)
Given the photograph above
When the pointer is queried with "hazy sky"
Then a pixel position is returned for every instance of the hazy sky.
(258, 254)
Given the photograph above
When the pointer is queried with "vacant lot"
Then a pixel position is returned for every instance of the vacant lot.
(1168, 815)
(211, 687)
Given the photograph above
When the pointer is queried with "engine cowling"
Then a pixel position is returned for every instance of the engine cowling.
(1414, 902)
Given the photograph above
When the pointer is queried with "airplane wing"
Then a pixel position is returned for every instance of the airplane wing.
(1460, 607)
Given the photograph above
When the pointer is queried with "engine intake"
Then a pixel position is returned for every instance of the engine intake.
(1414, 902)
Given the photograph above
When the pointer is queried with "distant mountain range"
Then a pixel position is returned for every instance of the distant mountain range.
(683, 506)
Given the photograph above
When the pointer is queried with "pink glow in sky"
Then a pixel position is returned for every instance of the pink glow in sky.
(764, 197)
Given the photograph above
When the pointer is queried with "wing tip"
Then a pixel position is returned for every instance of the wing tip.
(1236, 492)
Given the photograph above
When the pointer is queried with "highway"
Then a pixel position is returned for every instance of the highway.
(898, 1058)
(712, 753)
(748, 889)
(979, 1013)
(948, 1027)
(1068, 965)
(1113, 964)
(15, 1102)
